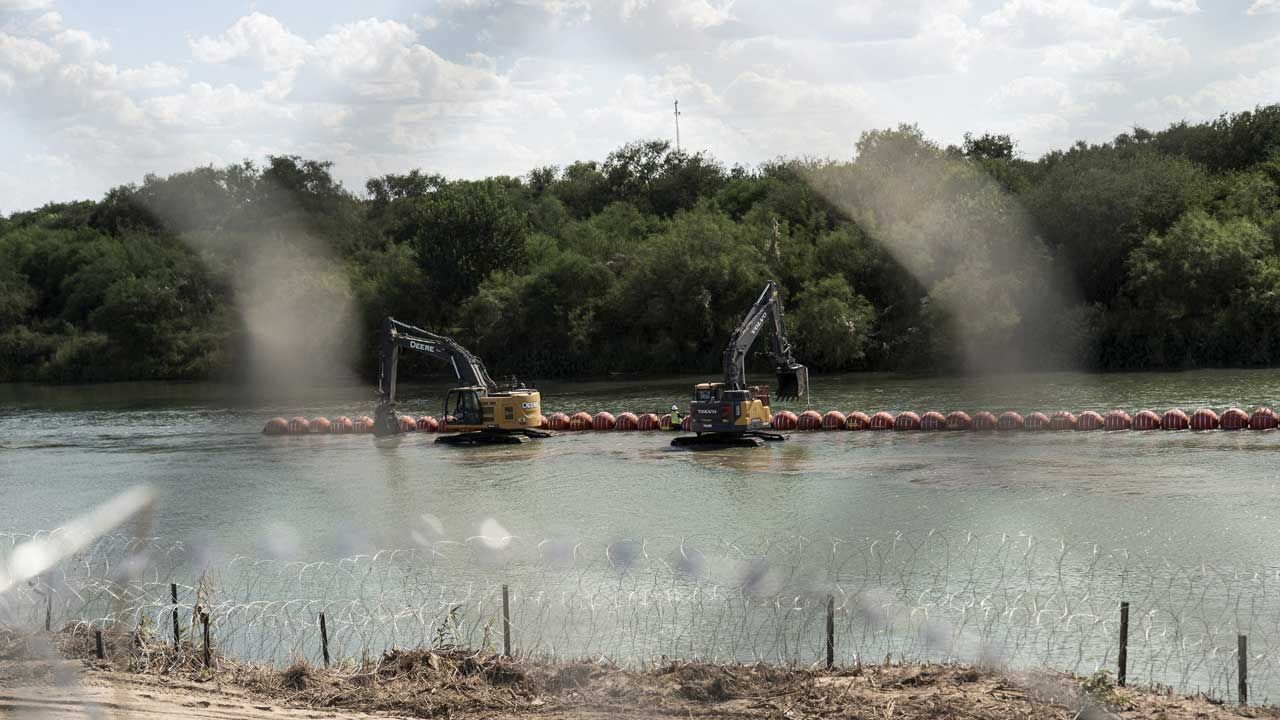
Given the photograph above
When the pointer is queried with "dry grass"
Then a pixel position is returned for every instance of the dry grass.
(455, 682)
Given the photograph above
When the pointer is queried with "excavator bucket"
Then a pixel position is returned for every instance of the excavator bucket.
(793, 382)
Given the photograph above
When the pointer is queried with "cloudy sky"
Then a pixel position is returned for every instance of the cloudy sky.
(95, 94)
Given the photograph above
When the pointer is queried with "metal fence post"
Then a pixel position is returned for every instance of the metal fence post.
(831, 632)
(1242, 652)
(173, 596)
(506, 623)
(1123, 670)
(324, 640)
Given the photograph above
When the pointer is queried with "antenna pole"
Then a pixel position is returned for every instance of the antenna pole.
(677, 112)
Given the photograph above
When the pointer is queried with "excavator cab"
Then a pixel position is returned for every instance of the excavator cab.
(793, 381)
(463, 405)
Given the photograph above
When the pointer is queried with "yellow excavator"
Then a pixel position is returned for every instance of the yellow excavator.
(731, 413)
(476, 413)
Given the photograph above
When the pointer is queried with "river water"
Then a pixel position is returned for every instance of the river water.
(1165, 499)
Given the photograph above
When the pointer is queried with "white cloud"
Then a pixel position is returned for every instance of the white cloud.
(1156, 8)
(25, 55)
(24, 4)
(46, 24)
(1252, 53)
(81, 44)
(256, 37)
(1263, 7)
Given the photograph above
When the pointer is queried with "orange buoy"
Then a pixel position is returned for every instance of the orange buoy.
(1009, 421)
(628, 421)
(984, 421)
(363, 424)
(558, 421)
(687, 423)
(319, 425)
(428, 424)
(785, 420)
(1036, 421)
(958, 420)
(407, 423)
(1233, 419)
(276, 426)
(882, 421)
(1264, 418)
(603, 421)
(648, 421)
(1146, 420)
(932, 421)
(1204, 419)
(341, 425)
(809, 420)
(299, 426)
(857, 421)
(1062, 420)
(1089, 420)
(1175, 419)
(664, 422)
(906, 421)
(1117, 420)
(542, 422)
(833, 420)
(581, 421)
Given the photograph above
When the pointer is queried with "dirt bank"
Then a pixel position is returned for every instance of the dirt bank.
(142, 680)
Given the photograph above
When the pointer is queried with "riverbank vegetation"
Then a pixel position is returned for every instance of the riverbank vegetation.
(1153, 250)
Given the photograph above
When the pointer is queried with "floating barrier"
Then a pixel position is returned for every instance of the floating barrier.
(1089, 421)
(1234, 419)
(1173, 420)
(1146, 420)
(857, 421)
(809, 420)
(785, 420)
(933, 421)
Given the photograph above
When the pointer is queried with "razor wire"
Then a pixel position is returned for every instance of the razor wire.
(1012, 601)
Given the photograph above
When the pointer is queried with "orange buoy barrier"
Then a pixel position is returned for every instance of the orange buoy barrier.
(319, 425)
(363, 424)
(882, 421)
(341, 425)
(833, 420)
(857, 421)
(687, 423)
(958, 420)
(809, 420)
(1204, 419)
(1146, 420)
(785, 420)
(603, 421)
(628, 421)
(1036, 422)
(1234, 419)
(1117, 420)
(984, 421)
(542, 422)
(276, 426)
(407, 423)
(664, 422)
(1061, 421)
(1089, 420)
(906, 421)
(581, 421)
(1175, 419)
(428, 424)
(299, 426)
(1009, 421)
(1264, 418)
(933, 421)
(648, 422)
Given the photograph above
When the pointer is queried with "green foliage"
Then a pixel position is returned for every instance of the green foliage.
(1156, 249)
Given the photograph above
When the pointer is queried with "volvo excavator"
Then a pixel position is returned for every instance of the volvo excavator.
(731, 413)
(476, 413)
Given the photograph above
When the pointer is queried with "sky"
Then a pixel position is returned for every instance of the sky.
(94, 94)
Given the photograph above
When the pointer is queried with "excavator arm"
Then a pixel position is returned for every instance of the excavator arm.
(793, 378)
(396, 336)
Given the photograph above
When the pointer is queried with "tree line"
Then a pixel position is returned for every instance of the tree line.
(1157, 249)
